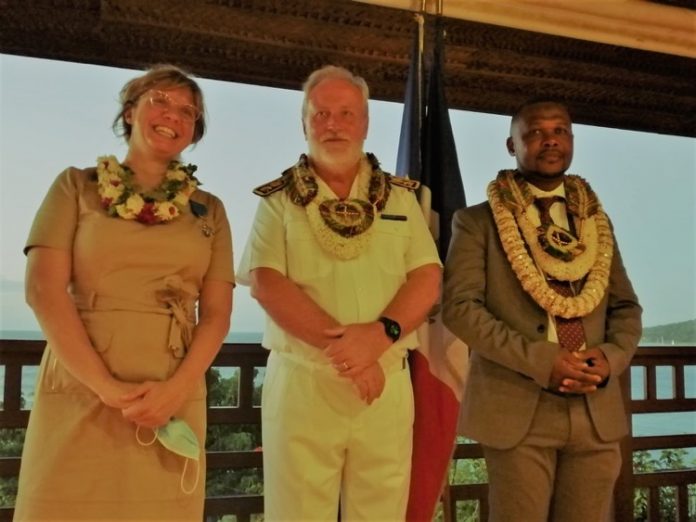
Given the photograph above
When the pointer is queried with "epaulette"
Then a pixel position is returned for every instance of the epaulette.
(272, 186)
(410, 184)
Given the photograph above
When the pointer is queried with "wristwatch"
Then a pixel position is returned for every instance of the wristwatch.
(391, 328)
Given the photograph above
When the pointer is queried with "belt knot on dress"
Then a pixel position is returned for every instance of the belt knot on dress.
(180, 297)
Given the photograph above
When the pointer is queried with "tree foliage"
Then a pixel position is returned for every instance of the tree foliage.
(650, 461)
(223, 390)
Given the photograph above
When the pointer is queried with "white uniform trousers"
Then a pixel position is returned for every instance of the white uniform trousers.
(321, 443)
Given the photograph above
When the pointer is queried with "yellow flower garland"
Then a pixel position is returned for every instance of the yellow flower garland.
(509, 213)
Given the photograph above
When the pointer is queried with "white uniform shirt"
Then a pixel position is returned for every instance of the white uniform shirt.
(352, 291)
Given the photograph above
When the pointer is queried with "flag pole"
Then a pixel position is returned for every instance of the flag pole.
(409, 157)
(438, 366)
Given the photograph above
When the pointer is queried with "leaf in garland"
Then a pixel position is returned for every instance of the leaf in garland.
(302, 186)
(198, 209)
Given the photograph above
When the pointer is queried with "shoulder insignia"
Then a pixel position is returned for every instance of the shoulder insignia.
(409, 184)
(272, 186)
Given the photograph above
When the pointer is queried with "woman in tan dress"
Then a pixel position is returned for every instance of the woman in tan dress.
(129, 273)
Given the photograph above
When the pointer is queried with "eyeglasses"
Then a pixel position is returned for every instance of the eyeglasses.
(161, 100)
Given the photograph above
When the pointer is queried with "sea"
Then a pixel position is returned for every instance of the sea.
(644, 424)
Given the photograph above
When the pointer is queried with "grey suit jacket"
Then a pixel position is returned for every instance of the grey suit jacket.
(511, 358)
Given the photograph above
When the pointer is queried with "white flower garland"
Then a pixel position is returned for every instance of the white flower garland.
(121, 198)
(599, 242)
(306, 190)
(342, 247)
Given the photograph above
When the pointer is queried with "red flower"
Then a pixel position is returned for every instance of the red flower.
(105, 202)
(115, 182)
(147, 214)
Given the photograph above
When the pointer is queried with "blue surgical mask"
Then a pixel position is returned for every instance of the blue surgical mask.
(178, 437)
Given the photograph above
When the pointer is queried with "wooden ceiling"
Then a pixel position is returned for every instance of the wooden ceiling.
(278, 42)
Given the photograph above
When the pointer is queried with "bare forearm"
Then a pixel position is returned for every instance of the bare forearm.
(208, 337)
(416, 297)
(214, 322)
(357, 346)
(67, 337)
(47, 278)
(292, 309)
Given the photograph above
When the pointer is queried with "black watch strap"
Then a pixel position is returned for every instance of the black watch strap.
(391, 328)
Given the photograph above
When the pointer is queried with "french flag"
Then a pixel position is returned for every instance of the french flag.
(427, 153)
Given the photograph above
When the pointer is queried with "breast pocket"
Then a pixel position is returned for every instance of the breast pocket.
(307, 262)
(391, 240)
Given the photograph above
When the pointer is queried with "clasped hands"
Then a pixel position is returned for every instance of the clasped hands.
(150, 404)
(354, 350)
(579, 372)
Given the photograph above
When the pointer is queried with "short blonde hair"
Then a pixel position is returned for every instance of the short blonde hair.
(333, 72)
(165, 76)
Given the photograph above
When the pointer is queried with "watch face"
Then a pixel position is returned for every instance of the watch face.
(394, 330)
(391, 328)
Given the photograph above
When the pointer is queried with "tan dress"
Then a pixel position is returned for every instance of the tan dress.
(135, 287)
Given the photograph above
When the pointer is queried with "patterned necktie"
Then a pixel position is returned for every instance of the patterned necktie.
(544, 206)
(571, 334)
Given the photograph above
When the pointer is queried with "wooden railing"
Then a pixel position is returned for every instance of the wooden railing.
(673, 359)
(676, 361)
(14, 355)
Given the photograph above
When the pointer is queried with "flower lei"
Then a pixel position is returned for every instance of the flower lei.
(510, 197)
(343, 227)
(121, 198)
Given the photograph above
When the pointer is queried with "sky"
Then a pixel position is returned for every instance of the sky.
(56, 114)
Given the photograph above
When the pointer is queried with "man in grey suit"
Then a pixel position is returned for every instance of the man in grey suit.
(535, 285)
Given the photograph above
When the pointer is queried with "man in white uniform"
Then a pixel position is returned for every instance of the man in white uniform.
(343, 263)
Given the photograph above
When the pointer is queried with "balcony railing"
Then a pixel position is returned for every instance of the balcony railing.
(248, 359)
